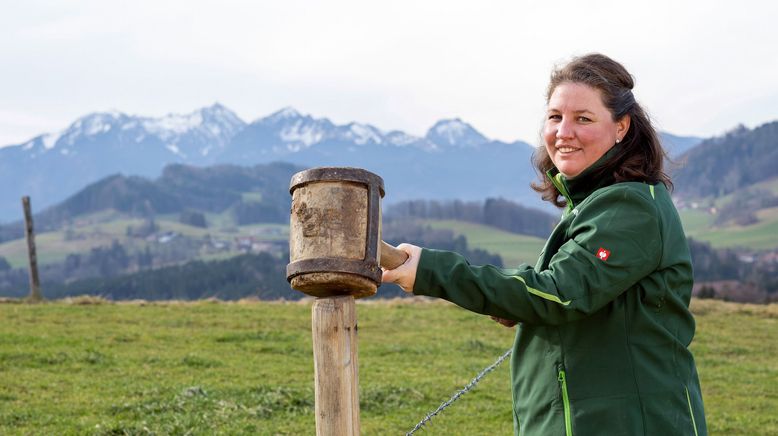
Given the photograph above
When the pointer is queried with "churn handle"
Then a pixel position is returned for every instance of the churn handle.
(391, 257)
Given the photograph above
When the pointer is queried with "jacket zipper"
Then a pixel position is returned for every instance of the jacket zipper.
(566, 402)
(691, 412)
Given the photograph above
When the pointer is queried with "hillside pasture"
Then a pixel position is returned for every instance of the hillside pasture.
(513, 248)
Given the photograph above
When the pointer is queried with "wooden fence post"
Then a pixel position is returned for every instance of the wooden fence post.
(336, 370)
(35, 286)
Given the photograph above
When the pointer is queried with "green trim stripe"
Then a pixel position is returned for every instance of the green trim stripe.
(541, 294)
(691, 412)
(651, 188)
(566, 402)
(557, 181)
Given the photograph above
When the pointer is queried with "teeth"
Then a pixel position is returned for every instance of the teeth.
(566, 149)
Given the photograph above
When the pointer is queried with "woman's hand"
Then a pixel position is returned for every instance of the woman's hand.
(505, 322)
(405, 274)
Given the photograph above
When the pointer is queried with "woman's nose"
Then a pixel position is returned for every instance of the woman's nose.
(564, 130)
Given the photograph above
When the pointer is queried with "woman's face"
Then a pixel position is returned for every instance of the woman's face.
(579, 129)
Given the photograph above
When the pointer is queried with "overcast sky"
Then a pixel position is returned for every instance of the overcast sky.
(701, 66)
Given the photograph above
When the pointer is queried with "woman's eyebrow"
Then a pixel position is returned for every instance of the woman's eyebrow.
(577, 111)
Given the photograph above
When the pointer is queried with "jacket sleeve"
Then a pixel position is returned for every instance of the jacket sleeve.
(576, 283)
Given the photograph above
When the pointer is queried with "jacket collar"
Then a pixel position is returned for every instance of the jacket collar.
(576, 189)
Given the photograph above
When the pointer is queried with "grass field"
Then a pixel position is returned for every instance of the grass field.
(246, 368)
(762, 235)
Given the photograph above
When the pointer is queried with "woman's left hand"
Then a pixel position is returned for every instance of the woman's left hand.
(503, 321)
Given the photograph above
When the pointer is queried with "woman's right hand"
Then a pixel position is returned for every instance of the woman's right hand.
(405, 274)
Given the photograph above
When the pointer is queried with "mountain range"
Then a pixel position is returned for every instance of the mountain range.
(452, 161)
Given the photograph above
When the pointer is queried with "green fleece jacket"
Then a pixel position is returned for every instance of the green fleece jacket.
(602, 344)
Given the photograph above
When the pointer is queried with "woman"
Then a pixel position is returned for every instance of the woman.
(602, 347)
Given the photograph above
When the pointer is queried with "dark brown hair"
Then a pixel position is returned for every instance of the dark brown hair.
(639, 156)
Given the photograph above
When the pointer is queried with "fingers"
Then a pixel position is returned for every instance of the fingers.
(389, 275)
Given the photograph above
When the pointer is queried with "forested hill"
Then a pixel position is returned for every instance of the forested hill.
(249, 195)
(721, 165)
(252, 194)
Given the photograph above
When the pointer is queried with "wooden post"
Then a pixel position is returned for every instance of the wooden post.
(35, 286)
(336, 372)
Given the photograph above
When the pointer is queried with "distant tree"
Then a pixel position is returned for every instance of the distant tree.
(144, 259)
(72, 263)
(193, 218)
(512, 217)
(11, 231)
(4, 265)
(108, 261)
(265, 211)
(711, 265)
(706, 292)
(148, 227)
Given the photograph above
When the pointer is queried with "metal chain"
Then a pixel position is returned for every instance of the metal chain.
(456, 396)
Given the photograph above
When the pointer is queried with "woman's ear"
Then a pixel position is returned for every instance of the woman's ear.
(622, 126)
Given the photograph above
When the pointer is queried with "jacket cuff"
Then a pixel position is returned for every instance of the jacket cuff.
(423, 283)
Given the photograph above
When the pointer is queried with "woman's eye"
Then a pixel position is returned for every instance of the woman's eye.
(584, 119)
(554, 117)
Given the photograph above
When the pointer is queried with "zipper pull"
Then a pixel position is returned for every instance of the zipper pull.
(561, 376)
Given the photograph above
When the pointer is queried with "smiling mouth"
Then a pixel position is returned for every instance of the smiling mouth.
(564, 149)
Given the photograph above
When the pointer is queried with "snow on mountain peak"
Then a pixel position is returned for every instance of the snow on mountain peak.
(50, 139)
(218, 112)
(286, 113)
(173, 124)
(453, 127)
(89, 125)
(216, 123)
(301, 132)
(220, 121)
(362, 134)
(401, 139)
(455, 132)
(211, 130)
(97, 123)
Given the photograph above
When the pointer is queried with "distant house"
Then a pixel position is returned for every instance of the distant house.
(166, 237)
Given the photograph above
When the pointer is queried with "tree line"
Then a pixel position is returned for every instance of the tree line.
(115, 273)
(729, 275)
(496, 212)
(167, 272)
(720, 273)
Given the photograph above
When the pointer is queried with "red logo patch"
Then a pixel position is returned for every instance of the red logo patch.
(603, 254)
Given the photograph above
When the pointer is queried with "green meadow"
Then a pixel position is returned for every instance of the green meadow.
(512, 247)
(86, 366)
